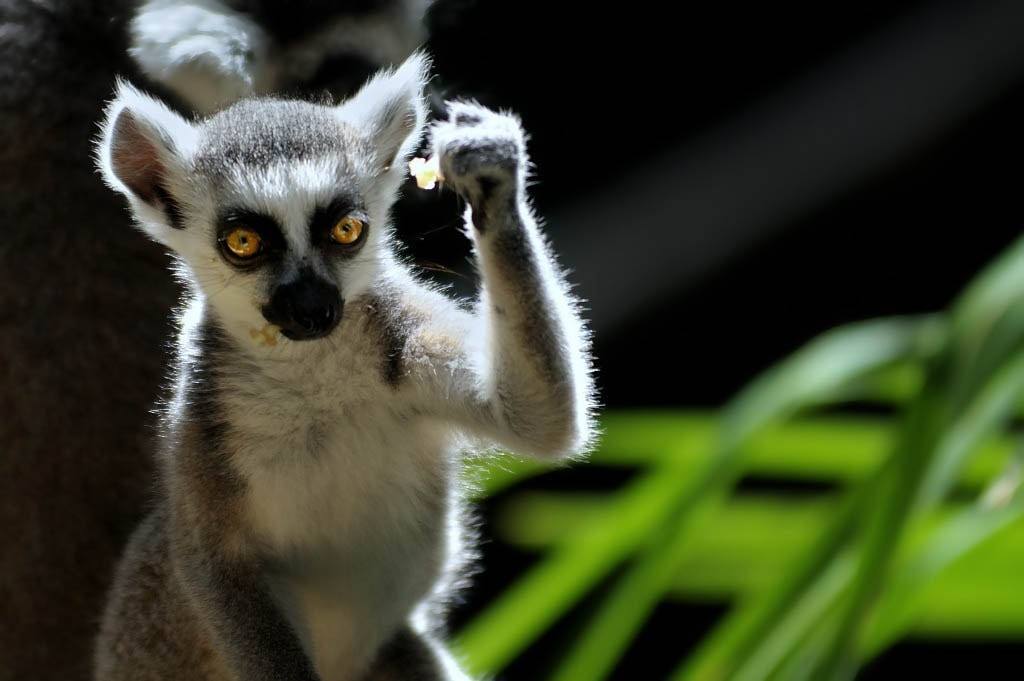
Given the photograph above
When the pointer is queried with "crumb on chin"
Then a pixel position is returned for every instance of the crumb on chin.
(267, 336)
(426, 171)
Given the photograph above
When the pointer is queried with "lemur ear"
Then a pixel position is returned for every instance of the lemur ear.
(390, 110)
(141, 153)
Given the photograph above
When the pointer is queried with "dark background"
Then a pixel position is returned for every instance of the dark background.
(727, 181)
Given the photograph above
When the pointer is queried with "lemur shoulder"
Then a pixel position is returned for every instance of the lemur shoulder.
(309, 513)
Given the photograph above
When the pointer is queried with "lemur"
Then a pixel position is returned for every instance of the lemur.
(309, 518)
(85, 300)
(211, 53)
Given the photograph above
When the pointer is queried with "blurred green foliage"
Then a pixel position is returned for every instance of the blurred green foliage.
(818, 586)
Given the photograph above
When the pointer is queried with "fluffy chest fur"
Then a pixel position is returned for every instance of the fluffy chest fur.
(346, 487)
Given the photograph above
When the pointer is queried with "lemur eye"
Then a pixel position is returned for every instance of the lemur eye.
(243, 242)
(347, 230)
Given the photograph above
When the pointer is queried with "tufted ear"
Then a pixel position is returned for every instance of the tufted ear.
(390, 110)
(142, 154)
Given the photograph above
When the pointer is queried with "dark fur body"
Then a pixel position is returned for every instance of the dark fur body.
(84, 304)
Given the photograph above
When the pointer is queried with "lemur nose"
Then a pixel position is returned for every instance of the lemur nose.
(313, 318)
(306, 308)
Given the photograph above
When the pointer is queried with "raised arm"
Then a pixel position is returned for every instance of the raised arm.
(523, 375)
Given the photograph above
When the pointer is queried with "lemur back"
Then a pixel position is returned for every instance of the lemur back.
(309, 519)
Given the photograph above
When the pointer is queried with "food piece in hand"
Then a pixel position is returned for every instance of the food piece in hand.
(426, 171)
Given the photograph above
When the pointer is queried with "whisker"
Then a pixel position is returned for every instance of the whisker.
(437, 267)
(449, 225)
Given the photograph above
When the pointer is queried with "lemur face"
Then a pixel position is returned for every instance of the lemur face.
(290, 212)
(278, 209)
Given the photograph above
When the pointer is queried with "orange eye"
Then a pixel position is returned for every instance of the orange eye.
(243, 242)
(347, 230)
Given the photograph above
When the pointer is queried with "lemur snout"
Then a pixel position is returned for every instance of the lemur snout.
(306, 308)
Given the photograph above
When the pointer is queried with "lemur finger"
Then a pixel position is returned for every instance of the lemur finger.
(465, 113)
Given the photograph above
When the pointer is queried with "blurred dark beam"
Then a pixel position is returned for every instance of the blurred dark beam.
(656, 231)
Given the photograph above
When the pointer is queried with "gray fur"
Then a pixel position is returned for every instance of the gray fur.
(283, 130)
(309, 500)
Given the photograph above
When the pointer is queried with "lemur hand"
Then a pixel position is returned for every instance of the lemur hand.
(206, 53)
(482, 157)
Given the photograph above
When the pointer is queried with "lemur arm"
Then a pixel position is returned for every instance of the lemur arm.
(255, 638)
(523, 379)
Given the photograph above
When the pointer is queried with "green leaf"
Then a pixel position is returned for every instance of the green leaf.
(787, 639)
(749, 631)
(960, 575)
(548, 590)
(947, 544)
(973, 385)
(824, 371)
(985, 415)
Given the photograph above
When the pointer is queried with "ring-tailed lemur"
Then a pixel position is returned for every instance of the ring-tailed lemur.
(309, 511)
(76, 380)
(213, 52)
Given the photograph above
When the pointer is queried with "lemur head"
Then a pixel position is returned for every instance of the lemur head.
(278, 208)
